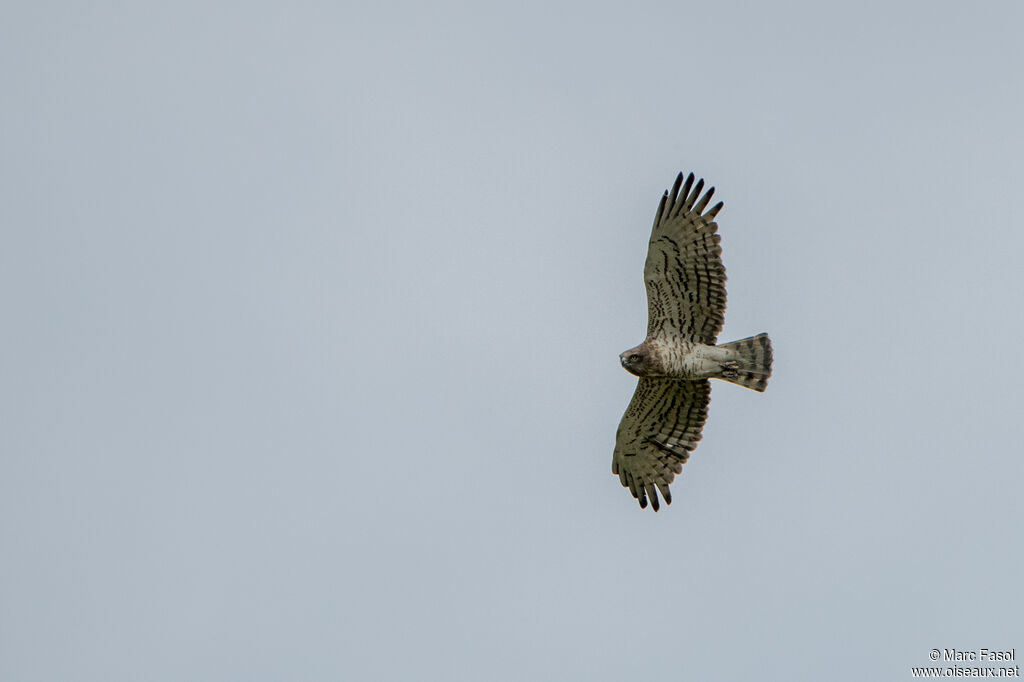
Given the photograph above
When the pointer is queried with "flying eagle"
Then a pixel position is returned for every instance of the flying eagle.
(685, 282)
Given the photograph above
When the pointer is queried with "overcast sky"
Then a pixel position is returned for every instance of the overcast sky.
(311, 314)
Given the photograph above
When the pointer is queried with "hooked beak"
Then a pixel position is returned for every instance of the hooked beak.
(626, 366)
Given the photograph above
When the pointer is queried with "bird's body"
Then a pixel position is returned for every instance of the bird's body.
(681, 359)
(685, 282)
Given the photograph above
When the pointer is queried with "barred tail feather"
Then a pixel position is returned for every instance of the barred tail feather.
(755, 361)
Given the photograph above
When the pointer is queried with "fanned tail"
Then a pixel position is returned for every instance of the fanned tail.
(754, 364)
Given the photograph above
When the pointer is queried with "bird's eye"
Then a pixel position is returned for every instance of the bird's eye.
(634, 358)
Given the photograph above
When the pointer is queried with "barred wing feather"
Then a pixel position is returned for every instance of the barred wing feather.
(662, 424)
(684, 274)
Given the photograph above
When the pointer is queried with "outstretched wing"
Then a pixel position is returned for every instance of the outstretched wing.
(661, 426)
(684, 272)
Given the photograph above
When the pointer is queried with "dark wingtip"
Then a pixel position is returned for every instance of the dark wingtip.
(676, 185)
(660, 214)
(697, 188)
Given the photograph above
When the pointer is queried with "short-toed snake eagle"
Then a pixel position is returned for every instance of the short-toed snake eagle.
(685, 307)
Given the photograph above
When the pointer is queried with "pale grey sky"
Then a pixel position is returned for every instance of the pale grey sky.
(311, 314)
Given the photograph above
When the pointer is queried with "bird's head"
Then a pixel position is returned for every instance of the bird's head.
(633, 360)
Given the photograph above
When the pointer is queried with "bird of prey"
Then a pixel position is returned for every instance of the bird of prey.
(685, 308)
